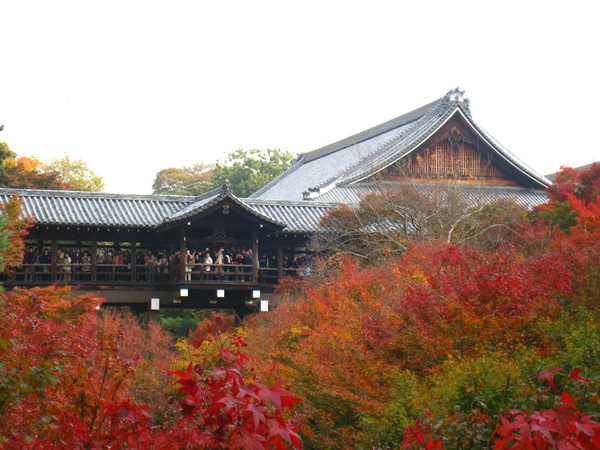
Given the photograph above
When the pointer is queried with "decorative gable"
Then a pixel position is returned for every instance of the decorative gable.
(453, 155)
(437, 142)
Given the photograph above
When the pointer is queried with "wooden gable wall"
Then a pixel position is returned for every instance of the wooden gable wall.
(454, 154)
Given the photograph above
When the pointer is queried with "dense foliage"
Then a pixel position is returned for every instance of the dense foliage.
(246, 170)
(76, 173)
(71, 377)
(450, 345)
(194, 180)
(249, 170)
(30, 173)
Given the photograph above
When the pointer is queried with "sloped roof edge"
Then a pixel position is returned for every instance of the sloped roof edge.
(511, 159)
(354, 139)
(415, 141)
(100, 195)
(371, 132)
(212, 198)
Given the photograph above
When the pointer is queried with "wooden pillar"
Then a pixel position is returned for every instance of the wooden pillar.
(182, 253)
(255, 255)
(53, 258)
(133, 258)
(279, 257)
(94, 256)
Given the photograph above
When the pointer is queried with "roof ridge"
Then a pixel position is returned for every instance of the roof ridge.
(416, 141)
(299, 162)
(303, 203)
(90, 194)
(369, 133)
(390, 143)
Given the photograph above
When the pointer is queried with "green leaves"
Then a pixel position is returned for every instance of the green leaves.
(76, 174)
(249, 170)
(193, 180)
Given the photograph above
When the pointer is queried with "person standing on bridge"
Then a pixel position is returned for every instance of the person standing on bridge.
(149, 263)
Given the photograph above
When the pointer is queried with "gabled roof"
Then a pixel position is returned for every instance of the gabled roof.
(355, 158)
(64, 208)
(214, 198)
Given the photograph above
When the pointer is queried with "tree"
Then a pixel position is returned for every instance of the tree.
(29, 173)
(76, 174)
(13, 228)
(570, 185)
(387, 221)
(5, 152)
(249, 170)
(193, 180)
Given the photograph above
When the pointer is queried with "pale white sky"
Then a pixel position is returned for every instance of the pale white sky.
(135, 86)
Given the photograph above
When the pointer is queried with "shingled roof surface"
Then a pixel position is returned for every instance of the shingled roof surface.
(96, 209)
(355, 158)
(150, 211)
(352, 194)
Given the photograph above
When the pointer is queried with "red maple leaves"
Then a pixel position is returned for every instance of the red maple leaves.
(564, 428)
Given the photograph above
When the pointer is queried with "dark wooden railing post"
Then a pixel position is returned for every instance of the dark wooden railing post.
(182, 253)
(279, 258)
(94, 257)
(53, 256)
(255, 255)
(133, 258)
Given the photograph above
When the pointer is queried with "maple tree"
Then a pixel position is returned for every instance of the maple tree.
(562, 427)
(568, 195)
(13, 229)
(24, 172)
(221, 408)
(352, 341)
(386, 222)
(29, 173)
(73, 378)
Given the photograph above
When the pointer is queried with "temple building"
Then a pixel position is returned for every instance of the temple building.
(437, 143)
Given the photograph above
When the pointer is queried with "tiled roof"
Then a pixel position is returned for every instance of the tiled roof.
(355, 158)
(213, 197)
(299, 217)
(96, 209)
(151, 211)
(351, 194)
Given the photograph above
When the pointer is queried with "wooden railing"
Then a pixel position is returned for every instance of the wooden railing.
(42, 274)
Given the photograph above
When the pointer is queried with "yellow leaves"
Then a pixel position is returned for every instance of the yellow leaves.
(414, 275)
(30, 164)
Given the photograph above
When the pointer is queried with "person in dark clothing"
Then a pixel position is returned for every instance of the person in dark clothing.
(30, 260)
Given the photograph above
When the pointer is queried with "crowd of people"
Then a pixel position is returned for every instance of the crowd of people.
(221, 263)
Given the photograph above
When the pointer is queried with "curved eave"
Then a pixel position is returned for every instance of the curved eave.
(214, 204)
(300, 217)
(407, 147)
(536, 180)
(442, 109)
(515, 162)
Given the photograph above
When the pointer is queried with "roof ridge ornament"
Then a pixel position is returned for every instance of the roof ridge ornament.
(458, 96)
(226, 189)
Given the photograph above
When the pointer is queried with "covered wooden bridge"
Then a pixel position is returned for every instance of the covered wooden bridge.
(264, 242)
(435, 144)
